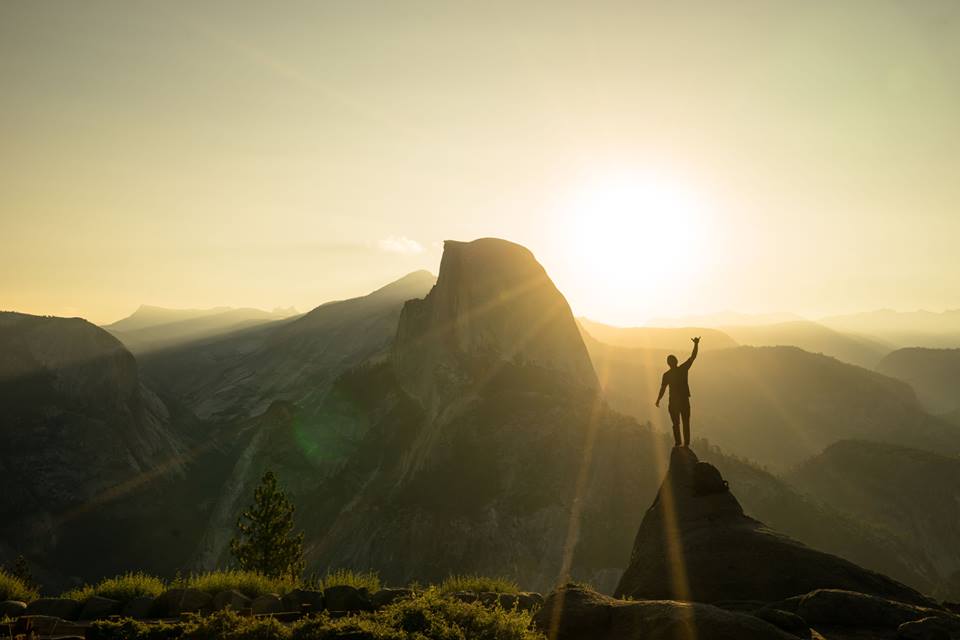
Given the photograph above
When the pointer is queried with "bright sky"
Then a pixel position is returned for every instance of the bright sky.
(660, 158)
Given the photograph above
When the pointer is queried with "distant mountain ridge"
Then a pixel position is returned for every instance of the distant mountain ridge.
(903, 328)
(933, 373)
(154, 328)
(670, 338)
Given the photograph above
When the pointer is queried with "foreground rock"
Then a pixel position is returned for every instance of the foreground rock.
(99, 608)
(173, 602)
(139, 607)
(304, 599)
(12, 608)
(575, 613)
(231, 599)
(346, 598)
(63, 608)
(695, 543)
(838, 608)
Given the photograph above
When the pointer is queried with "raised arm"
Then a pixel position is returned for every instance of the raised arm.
(693, 356)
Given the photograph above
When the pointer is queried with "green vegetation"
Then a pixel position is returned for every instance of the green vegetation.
(478, 584)
(424, 616)
(15, 588)
(249, 583)
(122, 588)
(265, 541)
(368, 580)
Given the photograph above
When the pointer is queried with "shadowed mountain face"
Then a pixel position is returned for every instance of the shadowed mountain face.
(695, 543)
(150, 329)
(915, 494)
(660, 338)
(776, 405)
(933, 373)
(77, 424)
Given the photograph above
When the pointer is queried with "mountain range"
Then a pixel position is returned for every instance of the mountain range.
(463, 423)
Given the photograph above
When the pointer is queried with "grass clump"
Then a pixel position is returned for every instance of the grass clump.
(249, 583)
(123, 588)
(368, 580)
(478, 584)
(14, 588)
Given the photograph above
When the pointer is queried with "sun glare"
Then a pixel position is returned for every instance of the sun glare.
(628, 242)
(630, 229)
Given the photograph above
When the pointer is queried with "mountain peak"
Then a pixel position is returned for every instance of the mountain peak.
(695, 543)
(493, 303)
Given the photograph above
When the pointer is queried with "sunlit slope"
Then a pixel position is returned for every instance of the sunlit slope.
(153, 328)
(775, 405)
(670, 338)
(933, 373)
(915, 494)
(239, 375)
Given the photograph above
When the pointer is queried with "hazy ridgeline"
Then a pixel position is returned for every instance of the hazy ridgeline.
(459, 424)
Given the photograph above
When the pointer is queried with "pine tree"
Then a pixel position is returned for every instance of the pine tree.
(265, 541)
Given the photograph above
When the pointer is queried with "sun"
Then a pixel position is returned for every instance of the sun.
(632, 233)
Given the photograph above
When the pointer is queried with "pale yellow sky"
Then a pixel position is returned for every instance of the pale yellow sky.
(193, 154)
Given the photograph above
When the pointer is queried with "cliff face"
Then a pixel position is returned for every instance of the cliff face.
(493, 303)
(76, 423)
(695, 543)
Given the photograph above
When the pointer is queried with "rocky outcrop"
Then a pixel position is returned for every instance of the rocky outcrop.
(577, 613)
(492, 303)
(695, 543)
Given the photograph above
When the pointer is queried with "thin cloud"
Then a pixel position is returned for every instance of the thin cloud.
(400, 244)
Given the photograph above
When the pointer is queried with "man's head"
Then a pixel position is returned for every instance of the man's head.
(672, 361)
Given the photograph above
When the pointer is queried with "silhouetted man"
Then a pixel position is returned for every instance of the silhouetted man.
(679, 406)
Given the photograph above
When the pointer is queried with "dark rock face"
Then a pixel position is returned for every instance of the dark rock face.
(835, 607)
(139, 608)
(173, 602)
(231, 599)
(695, 543)
(346, 598)
(12, 608)
(64, 608)
(98, 608)
(267, 603)
(383, 597)
(298, 599)
(574, 613)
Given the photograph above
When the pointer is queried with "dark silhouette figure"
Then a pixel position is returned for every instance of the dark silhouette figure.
(679, 406)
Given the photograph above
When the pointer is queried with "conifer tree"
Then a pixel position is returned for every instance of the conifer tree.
(265, 540)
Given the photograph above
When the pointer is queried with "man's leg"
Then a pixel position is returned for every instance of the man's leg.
(685, 414)
(675, 417)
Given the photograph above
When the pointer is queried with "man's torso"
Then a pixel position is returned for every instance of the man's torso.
(677, 380)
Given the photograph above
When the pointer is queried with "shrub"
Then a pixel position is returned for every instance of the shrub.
(368, 580)
(122, 588)
(249, 583)
(478, 584)
(14, 588)
(223, 625)
(426, 615)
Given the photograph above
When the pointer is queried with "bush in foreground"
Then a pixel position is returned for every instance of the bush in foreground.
(14, 588)
(424, 616)
(122, 588)
(478, 584)
(249, 583)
